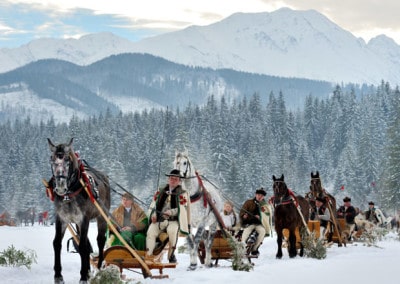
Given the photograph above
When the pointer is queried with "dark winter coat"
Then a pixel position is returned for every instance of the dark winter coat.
(252, 208)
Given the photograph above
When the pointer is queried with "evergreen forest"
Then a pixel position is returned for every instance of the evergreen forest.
(352, 140)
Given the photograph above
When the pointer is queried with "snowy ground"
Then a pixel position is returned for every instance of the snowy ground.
(355, 263)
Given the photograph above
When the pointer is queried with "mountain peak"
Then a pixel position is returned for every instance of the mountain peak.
(286, 43)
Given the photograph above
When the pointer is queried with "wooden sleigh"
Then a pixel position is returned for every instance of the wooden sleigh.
(125, 257)
(222, 248)
(337, 235)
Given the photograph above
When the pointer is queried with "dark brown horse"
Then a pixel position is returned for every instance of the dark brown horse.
(74, 205)
(291, 212)
(316, 190)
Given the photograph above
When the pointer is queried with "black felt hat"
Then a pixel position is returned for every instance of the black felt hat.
(174, 173)
(346, 199)
(371, 203)
(261, 191)
(320, 199)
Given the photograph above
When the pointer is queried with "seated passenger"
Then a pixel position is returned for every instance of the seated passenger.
(251, 220)
(132, 221)
(229, 216)
(321, 214)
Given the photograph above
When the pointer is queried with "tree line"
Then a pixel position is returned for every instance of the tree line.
(352, 140)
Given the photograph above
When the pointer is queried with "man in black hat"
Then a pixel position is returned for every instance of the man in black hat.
(370, 213)
(250, 217)
(321, 214)
(168, 214)
(348, 212)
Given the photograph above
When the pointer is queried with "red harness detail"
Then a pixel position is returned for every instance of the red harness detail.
(296, 203)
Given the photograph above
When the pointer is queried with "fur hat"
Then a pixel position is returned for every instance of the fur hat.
(371, 203)
(320, 199)
(127, 195)
(346, 199)
(174, 173)
(261, 191)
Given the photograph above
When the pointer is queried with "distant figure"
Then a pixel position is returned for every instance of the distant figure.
(41, 219)
(370, 214)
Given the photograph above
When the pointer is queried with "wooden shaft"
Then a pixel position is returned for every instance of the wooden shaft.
(145, 269)
(212, 205)
(335, 223)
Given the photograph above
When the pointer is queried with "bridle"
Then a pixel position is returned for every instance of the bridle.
(316, 187)
(281, 196)
(65, 175)
(187, 166)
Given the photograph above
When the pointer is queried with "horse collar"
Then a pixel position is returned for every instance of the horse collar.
(69, 195)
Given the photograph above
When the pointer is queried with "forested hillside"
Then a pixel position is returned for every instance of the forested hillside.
(352, 142)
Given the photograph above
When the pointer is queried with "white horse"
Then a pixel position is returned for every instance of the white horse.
(203, 205)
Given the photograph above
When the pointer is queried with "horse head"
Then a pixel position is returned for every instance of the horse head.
(183, 164)
(63, 165)
(280, 189)
(316, 185)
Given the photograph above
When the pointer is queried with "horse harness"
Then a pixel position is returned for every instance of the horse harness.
(287, 198)
(74, 176)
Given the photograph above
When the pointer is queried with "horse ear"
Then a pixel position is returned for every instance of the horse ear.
(70, 142)
(52, 147)
(273, 177)
(312, 174)
(317, 174)
(186, 151)
(282, 177)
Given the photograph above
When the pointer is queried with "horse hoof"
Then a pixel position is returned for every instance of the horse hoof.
(279, 257)
(59, 280)
(83, 282)
(192, 267)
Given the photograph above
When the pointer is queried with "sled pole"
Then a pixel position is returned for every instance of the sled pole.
(145, 269)
(335, 224)
(212, 205)
(302, 219)
(73, 233)
(76, 239)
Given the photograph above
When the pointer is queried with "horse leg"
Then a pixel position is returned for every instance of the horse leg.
(101, 239)
(292, 243)
(84, 250)
(279, 237)
(193, 242)
(208, 244)
(60, 231)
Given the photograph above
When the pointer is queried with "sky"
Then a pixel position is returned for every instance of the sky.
(22, 21)
(355, 263)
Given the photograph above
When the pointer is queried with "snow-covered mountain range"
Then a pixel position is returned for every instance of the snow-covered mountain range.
(286, 43)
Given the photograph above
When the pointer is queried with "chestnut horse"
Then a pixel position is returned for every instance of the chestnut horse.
(291, 212)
